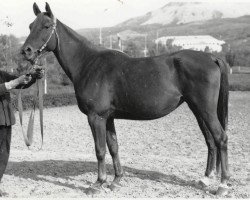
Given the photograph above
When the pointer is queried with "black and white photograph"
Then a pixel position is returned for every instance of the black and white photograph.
(125, 99)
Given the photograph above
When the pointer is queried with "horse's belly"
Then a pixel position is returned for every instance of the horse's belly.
(149, 107)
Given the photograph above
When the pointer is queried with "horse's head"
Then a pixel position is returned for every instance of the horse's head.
(43, 36)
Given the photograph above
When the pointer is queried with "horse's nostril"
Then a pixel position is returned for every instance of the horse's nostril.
(28, 49)
(22, 52)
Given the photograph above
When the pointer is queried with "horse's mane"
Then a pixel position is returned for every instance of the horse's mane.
(76, 36)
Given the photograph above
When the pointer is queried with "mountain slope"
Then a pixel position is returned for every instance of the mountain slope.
(181, 13)
(228, 29)
(234, 31)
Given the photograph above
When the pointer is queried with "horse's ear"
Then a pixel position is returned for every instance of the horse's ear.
(48, 10)
(36, 9)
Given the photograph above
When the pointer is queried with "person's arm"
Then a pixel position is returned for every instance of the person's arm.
(17, 83)
(3, 89)
(23, 81)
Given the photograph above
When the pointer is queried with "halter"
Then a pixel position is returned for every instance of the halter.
(47, 41)
(53, 31)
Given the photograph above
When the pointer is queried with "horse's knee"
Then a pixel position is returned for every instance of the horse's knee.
(219, 135)
(221, 141)
(100, 154)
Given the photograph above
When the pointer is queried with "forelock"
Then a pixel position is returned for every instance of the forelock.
(43, 16)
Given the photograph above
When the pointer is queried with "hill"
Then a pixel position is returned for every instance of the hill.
(232, 30)
(186, 12)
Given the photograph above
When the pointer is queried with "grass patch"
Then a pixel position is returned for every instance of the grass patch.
(239, 82)
(49, 100)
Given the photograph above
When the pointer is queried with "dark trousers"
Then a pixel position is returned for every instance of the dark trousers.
(5, 139)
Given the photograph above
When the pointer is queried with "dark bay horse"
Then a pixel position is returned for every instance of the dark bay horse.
(111, 85)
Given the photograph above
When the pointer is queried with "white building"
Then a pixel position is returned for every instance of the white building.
(195, 42)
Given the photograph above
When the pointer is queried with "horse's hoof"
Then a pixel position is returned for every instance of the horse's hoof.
(222, 191)
(204, 182)
(93, 190)
(97, 188)
(201, 184)
(114, 186)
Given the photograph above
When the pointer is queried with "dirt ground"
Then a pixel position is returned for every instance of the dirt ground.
(161, 158)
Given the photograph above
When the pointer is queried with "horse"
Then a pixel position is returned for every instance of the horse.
(111, 85)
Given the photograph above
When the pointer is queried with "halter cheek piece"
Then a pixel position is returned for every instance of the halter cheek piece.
(53, 31)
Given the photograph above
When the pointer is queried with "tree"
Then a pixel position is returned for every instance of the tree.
(131, 49)
(9, 51)
(230, 58)
(207, 50)
(171, 47)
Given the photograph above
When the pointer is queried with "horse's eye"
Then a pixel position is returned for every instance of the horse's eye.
(47, 26)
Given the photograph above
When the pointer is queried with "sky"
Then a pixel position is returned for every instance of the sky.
(75, 13)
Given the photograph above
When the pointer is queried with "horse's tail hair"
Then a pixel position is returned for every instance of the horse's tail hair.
(222, 109)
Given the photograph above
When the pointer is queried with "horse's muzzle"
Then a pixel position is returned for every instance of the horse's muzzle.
(29, 53)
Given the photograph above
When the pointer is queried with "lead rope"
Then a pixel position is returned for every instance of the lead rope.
(40, 100)
(28, 138)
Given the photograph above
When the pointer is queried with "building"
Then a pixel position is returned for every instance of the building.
(195, 42)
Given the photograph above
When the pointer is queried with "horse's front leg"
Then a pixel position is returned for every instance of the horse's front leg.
(98, 128)
(113, 149)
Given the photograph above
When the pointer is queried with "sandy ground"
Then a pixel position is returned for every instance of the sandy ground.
(161, 158)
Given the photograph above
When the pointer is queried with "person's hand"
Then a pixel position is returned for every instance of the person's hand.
(24, 79)
(40, 73)
(37, 73)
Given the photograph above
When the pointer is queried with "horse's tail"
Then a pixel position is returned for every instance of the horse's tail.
(222, 109)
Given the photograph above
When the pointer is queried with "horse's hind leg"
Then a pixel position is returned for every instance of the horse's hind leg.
(221, 141)
(212, 150)
(207, 109)
(113, 149)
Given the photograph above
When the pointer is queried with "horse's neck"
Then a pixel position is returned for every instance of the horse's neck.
(72, 50)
